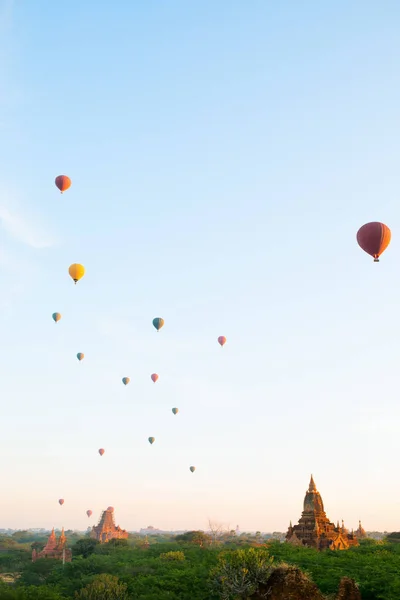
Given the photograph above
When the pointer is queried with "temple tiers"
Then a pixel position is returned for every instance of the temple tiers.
(314, 528)
(106, 529)
(54, 548)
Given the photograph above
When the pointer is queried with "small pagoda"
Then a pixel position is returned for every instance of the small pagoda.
(314, 528)
(106, 530)
(55, 548)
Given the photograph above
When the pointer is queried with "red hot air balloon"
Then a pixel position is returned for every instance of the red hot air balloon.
(101, 451)
(89, 513)
(61, 502)
(63, 183)
(154, 377)
(222, 340)
(374, 238)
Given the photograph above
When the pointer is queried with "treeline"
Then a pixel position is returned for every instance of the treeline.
(195, 566)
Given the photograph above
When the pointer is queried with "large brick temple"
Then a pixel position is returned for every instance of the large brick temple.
(106, 529)
(55, 548)
(316, 531)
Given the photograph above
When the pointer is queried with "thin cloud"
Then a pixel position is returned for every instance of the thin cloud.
(26, 232)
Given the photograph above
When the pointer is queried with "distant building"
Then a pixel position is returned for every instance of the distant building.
(360, 532)
(55, 548)
(314, 528)
(106, 530)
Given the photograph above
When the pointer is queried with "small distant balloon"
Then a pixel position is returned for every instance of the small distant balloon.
(110, 509)
(76, 271)
(125, 380)
(175, 411)
(192, 469)
(154, 377)
(101, 451)
(152, 440)
(61, 502)
(222, 340)
(374, 238)
(80, 356)
(62, 182)
(56, 317)
(89, 513)
(158, 322)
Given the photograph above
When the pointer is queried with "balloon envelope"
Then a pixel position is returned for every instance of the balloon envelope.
(192, 469)
(222, 340)
(158, 322)
(110, 508)
(62, 182)
(154, 377)
(61, 501)
(80, 356)
(56, 317)
(125, 380)
(89, 513)
(374, 238)
(101, 451)
(76, 271)
(175, 411)
(152, 440)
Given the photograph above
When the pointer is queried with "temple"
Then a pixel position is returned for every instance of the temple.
(106, 529)
(314, 528)
(360, 532)
(54, 548)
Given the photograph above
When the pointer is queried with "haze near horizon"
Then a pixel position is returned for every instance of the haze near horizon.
(222, 157)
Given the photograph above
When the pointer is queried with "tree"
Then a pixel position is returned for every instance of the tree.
(217, 530)
(103, 587)
(196, 537)
(238, 574)
(84, 547)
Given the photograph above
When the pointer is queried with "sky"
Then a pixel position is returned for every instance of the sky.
(223, 156)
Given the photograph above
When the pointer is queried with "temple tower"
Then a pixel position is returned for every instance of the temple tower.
(314, 528)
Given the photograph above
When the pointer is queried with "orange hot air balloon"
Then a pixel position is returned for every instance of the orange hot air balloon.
(374, 238)
(101, 451)
(76, 271)
(222, 340)
(63, 182)
(89, 513)
(154, 377)
(61, 501)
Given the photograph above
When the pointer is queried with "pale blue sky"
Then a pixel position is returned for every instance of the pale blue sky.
(222, 157)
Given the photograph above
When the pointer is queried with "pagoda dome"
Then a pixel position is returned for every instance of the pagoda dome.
(312, 500)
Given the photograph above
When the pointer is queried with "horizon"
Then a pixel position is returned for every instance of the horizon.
(222, 158)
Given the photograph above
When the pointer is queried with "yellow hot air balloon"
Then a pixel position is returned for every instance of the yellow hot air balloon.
(76, 271)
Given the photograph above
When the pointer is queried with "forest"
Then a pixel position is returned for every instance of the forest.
(194, 566)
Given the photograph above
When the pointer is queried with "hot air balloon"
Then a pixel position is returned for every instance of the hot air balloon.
(125, 380)
(89, 513)
(76, 271)
(80, 356)
(61, 502)
(154, 377)
(101, 451)
(152, 440)
(192, 469)
(158, 322)
(175, 411)
(110, 509)
(374, 238)
(56, 317)
(222, 340)
(62, 182)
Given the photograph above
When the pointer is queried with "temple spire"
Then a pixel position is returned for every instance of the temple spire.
(312, 487)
